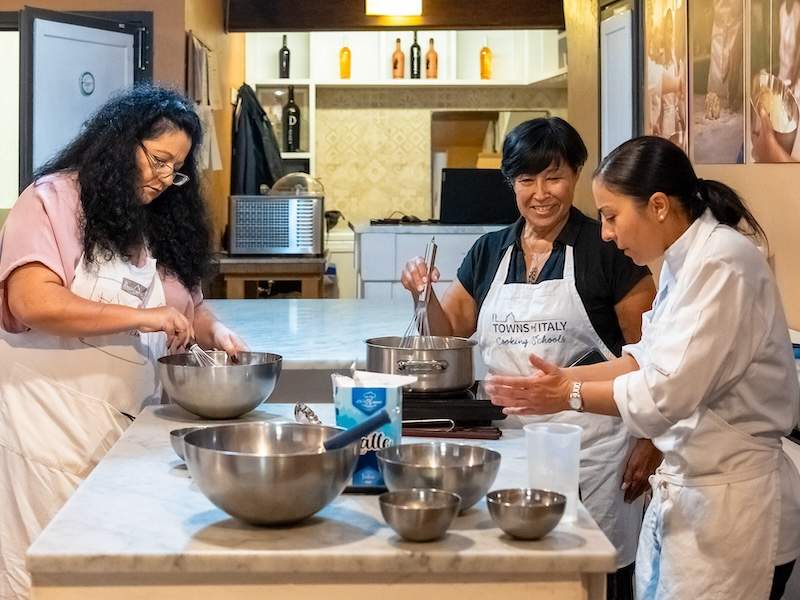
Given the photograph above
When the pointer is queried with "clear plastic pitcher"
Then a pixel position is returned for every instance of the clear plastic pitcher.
(554, 459)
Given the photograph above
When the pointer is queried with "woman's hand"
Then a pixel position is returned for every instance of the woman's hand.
(543, 393)
(766, 147)
(224, 339)
(415, 274)
(169, 320)
(642, 462)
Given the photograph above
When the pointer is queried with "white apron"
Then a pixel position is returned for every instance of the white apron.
(549, 319)
(713, 535)
(63, 404)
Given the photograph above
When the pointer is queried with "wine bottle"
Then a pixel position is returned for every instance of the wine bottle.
(291, 124)
(416, 56)
(344, 60)
(431, 62)
(398, 61)
(486, 60)
(283, 60)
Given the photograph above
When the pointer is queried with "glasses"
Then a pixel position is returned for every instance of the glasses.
(164, 170)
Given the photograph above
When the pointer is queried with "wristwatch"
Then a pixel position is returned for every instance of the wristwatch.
(575, 396)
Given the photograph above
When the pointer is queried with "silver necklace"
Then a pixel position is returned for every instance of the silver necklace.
(533, 273)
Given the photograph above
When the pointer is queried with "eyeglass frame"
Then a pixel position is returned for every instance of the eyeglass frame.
(178, 178)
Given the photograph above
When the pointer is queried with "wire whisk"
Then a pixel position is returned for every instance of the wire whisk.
(418, 333)
(203, 358)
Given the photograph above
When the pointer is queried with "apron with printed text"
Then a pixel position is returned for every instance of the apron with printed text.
(548, 319)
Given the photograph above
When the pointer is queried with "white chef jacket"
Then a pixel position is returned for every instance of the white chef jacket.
(716, 338)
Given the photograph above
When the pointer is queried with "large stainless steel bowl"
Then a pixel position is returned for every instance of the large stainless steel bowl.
(269, 473)
(226, 391)
(465, 470)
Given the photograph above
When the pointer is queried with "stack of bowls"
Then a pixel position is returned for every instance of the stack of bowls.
(226, 391)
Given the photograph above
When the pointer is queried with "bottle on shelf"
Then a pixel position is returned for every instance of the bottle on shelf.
(431, 62)
(283, 60)
(291, 124)
(486, 60)
(398, 61)
(416, 56)
(344, 60)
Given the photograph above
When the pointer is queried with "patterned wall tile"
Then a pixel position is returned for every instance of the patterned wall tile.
(373, 151)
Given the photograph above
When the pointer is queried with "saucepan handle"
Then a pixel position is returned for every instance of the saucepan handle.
(421, 366)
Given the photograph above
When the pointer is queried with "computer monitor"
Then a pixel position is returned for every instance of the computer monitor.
(476, 197)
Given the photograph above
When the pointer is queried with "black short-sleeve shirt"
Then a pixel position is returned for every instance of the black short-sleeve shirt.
(603, 274)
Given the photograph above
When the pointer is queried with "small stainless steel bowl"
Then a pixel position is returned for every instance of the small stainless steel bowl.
(176, 439)
(269, 473)
(419, 515)
(527, 514)
(226, 391)
(468, 471)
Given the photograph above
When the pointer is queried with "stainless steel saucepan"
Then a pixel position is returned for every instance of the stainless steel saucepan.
(440, 365)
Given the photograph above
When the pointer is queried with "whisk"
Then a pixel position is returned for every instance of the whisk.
(418, 332)
(203, 358)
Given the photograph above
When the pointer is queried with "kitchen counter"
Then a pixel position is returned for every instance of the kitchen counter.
(314, 334)
(139, 528)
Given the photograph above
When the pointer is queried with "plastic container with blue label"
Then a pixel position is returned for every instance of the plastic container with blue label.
(356, 399)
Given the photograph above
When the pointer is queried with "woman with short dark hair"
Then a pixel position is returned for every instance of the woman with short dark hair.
(101, 261)
(712, 382)
(551, 268)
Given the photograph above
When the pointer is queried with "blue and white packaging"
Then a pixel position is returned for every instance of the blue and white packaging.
(359, 397)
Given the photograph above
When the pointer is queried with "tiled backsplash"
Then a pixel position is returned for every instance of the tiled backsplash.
(373, 150)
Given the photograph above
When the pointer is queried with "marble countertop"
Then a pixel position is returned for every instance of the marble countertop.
(138, 515)
(360, 228)
(314, 334)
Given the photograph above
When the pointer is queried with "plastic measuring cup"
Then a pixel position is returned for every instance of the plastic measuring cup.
(554, 459)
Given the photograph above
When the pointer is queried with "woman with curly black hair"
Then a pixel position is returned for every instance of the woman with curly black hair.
(101, 261)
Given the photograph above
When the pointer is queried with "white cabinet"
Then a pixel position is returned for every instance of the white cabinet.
(382, 252)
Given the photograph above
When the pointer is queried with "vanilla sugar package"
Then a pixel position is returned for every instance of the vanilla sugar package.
(356, 399)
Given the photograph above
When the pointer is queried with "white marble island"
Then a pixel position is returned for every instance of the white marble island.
(139, 529)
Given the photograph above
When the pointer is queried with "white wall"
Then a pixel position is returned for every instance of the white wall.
(9, 117)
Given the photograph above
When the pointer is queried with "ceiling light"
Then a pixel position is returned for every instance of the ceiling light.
(394, 8)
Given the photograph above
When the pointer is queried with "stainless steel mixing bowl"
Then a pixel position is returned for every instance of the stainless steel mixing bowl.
(226, 391)
(268, 473)
(419, 515)
(527, 514)
(176, 439)
(465, 470)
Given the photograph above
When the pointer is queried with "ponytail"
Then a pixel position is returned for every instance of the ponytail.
(645, 165)
(729, 208)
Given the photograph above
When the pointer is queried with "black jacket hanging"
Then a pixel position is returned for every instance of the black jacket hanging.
(256, 159)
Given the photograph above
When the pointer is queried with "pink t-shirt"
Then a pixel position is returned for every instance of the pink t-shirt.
(43, 226)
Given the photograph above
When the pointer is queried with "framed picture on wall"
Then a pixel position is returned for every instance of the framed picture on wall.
(666, 97)
(717, 82)
(774, 81)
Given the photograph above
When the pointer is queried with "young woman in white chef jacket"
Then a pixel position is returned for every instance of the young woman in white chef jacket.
(101, 261)
(712, 382)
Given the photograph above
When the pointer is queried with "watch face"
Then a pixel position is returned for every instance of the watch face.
(87, 83)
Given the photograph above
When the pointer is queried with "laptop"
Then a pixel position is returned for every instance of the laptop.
(476, 197)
